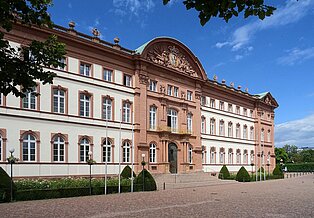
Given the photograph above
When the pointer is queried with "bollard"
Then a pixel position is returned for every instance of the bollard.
(290, 175)
(164, 186)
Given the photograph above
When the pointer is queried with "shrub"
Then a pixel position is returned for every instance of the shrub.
(224, 173)
(126, 173)
(243, 175)
(5, 186)
(300, 167)
(261, 169)
(277, 171)
(149, 182)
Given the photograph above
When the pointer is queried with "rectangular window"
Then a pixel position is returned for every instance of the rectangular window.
(237, 110)
(230, 108)
(252, 133)
(153, 86)
(85, 103)
(212, 103)
(126, 112)
(85, 69)
(58, 101)
(189, 123)
(108, 75)
(107, 108)
(127, 80)
(244, 112)
(222, 105)
(203, 125)
(169, 90)
(29, 101)
(176, 91)
(251, 113)
(62, 61)
(203, 100)
(152, 117)
(189, 95)
(212, 127)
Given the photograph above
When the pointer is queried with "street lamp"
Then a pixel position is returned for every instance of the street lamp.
(12, 160)
(143, 167)
(252, 164)
(281, 164)
(268, 164)
(90, 163)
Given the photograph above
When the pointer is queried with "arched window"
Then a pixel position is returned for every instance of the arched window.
(152, 117)
(221, 128)
(58, 149)
(262, 135)
(213, 155)
(172, 120)
(107, 108)
(222, 155)
(238, 134)
(252, 133)
(230, 127)
(189, 123)
(106, 153)
(245, 132)
(190, 154)
(245, 157)
(252, 156)
(152, 153)
(268, 136)
(203, 154)
(84, 149)
(126, 112)
(203, 125)
(230, 156)
(126, 152)
(29, 148)
(212, 126)
(238, 156)
(268, 158)
(29, 101)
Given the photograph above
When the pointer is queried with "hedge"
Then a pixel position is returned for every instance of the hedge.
(278, 172)
(243, 175)
(149, 182)
(224, 173)
(300, 167)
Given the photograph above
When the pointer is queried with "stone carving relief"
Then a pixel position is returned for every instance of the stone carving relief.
(268, 101)
(170, 56)
(143, 79)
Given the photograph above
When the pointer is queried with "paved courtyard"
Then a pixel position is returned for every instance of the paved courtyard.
(293, 197)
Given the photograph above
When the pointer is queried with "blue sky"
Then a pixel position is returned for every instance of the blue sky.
(275, 55)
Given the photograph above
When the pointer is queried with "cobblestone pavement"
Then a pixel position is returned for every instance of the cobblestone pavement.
(278, 198)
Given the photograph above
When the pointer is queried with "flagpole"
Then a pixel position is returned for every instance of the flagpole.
(132, 185)
(264, 161)
(119, 147)
(106, 149)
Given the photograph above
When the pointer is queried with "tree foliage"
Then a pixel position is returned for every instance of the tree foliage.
(126, 173)
(21, 67)
(224, 173)
(281, 154)
(226, 9)
(243, 175)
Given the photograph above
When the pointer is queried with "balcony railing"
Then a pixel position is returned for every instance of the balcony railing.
(173, 130)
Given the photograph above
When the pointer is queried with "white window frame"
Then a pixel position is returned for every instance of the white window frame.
(107, 108)
(108, 75)
(174, 119)
(58, 143)
(244, 132)
(238, 132)
(108, 154)
(252, 133)
(169, 90)
(126, 152)
(85, 147)
(222, 105)
(153, 85)
(189, 122)
(126, 112)
(59, 101)
(221, 128)
(85, 69)
(29, 144)
(85, 105)
(175, 91)
(189, 95)
(63, 61)
(152, 118)
(203, 125)
(152, 153)
(230, 129)
(212, 124)
(190, 155)
(30, 99)
(127, 80)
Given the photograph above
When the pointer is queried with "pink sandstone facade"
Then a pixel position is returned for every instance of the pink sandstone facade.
(180, 87)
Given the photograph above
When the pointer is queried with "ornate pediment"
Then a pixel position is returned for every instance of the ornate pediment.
(268, 99)
(170, 56)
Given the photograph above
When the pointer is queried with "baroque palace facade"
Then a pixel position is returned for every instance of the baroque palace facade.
(120, 104)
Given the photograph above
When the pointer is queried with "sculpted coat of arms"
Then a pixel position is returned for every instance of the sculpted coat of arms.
(170, 56)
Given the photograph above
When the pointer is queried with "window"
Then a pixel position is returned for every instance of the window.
(203, 154)
(213, 155)
(85, 102)
(245, 157)
(127, 80)
(108, 75)
(268, 136)
(62, 61)
(107, 108)
(238, 131)
(212, 103)
(221, 105)
(1, 145)
(152, 153)
(190, 154)
(203, 100)
(212, 126)
(85, 69)
(29, 101)
(189, 123)
(222, 156)
(29, 148)
(152, 117)
(203, 125)
(126, 152)
(221, 128)
(230, 127)
(106, 150)
(252, 156)
(262, 135)
(189, 95)
(58, 101)
(244, 112)
(251, 113)
(230, 108)
(237, 110)
(238, 156)
(172, 120)
(169, 90)
(268, 158)
(252, 133)
(84, 149)
(176, 91)
(126, 112)
(58, 149)
(244, 132)
(152, 85)
(230, 156)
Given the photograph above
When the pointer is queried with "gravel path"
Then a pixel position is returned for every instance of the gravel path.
(278, 198)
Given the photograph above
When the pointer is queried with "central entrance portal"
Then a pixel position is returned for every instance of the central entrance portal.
(172, 157)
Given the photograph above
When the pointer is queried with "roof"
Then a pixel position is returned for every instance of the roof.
(140, 49)
(261, 95)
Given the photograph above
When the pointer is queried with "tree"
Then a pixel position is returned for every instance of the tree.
(226, 9)
(292, 152)
(20, 68)
(281, 154)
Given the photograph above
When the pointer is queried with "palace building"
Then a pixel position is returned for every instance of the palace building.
(154, 103)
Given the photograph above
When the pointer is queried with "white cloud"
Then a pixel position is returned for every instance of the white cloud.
(292, 12)
(132, 7)
(296, 56)
(238, 57)
(298, 132)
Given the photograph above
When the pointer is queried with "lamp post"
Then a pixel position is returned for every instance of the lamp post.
(12, 160)
(252, 164)
(281, 164)
(90, 163)
(143, 167)
(268, 164)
